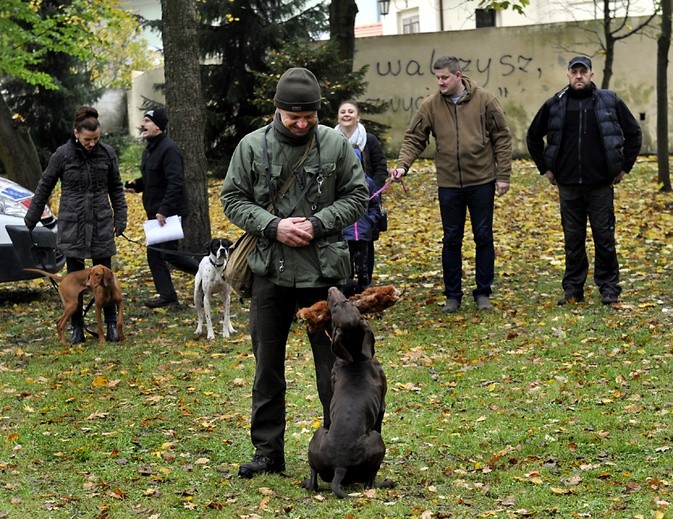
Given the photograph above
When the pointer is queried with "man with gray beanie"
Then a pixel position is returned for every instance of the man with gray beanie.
(296, 184)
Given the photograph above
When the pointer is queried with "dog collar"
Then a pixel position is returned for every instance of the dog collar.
(218, 265)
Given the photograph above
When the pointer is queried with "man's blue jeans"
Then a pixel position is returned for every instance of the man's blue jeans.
(453, 205)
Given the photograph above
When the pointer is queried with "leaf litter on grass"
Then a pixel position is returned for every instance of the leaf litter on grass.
(532, 410)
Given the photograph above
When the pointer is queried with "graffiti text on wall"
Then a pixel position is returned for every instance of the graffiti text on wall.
(480, 68)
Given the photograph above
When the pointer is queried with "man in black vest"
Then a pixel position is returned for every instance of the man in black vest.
(592, 141)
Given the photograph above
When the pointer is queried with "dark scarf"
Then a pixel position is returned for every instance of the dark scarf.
(287, 137)
(151, 142)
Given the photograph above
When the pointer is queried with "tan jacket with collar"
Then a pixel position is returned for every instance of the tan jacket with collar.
(473, 141)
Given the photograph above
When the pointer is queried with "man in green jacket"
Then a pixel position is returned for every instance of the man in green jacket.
(300, 252)
(473, 161)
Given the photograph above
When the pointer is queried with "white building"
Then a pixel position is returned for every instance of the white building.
(417, 16)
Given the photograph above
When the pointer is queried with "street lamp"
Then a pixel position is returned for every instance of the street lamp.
(384, 7)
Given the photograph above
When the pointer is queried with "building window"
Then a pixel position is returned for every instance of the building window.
(485, 18)
(411, 25)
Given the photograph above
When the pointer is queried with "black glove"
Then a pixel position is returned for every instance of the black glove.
(30, 224)
(119, 230)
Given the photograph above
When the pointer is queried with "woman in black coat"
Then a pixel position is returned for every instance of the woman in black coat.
(92, 209)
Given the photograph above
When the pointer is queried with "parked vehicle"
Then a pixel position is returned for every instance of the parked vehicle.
(20, 248)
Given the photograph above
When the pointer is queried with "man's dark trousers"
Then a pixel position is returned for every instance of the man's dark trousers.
(272, 310)
(580, 202)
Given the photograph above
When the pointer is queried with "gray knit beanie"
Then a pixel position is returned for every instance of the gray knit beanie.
(297, 91)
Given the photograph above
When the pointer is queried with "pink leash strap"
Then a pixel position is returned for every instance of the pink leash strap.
(386, 186)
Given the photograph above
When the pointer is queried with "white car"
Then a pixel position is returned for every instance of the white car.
(19, 247)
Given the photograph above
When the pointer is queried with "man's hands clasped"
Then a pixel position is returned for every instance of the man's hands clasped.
(295, 231)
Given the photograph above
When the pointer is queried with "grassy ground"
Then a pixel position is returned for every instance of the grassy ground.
(530, 411)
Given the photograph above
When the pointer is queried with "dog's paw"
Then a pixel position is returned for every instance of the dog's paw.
(309, 486)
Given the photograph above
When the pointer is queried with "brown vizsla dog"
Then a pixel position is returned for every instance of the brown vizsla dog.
(106, 291)
(105, 287)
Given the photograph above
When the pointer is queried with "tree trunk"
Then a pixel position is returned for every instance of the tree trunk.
(609, 45)
(342, 26)
(17, 151)
(186, 111)
(663, 45)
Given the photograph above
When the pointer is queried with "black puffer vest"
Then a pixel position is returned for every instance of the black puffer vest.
(605, 108)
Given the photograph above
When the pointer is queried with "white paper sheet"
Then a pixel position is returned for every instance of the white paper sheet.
(155, 233)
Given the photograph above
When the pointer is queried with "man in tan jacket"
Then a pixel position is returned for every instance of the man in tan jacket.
(473, 161)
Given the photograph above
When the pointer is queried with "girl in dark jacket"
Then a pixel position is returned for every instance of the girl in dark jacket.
(373, 161)
(92, 209)
(360, 237)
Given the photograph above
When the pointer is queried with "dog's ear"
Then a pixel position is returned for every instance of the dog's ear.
(337, 346)
(367, 340)
(108, 278)
(227, 243)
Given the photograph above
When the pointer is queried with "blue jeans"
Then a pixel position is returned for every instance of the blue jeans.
(453, 205)
(595, 203)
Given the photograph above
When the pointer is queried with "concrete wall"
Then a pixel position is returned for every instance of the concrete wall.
(522, 66)
(112, 111)
(143, 94)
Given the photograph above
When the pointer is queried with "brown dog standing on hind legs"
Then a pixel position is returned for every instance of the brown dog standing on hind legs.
(106, 291)
(352, 449)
